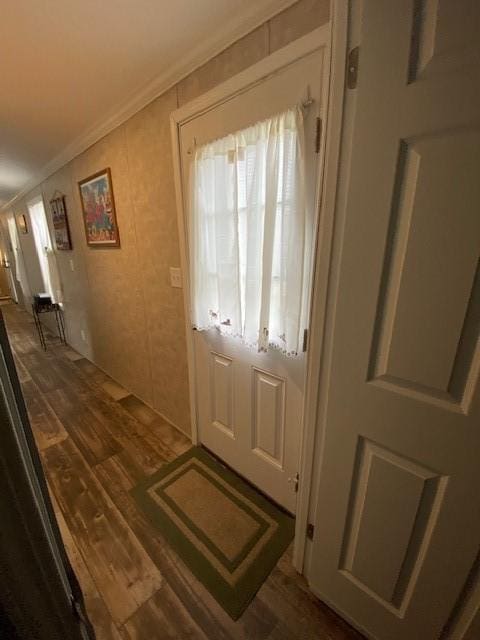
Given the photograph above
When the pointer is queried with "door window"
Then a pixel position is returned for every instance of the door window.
(249, 261)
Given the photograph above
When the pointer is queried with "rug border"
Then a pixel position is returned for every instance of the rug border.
(261, 521)
(233, 600)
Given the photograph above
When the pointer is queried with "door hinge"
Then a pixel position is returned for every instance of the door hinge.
(310, 531)
(318, 134)
(305, 340)
(352, 67)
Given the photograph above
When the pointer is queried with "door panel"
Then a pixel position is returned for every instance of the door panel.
(397, 521)
(249, 404)
(249, 411)
(411, 495)
(417, 343)
(444, 38)
(268, 426)
(221, 372)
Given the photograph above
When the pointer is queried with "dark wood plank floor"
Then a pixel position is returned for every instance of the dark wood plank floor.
(97, 441)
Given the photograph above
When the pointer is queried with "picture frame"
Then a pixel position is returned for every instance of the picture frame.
(22, 223)
(61, 229)
(98, 210)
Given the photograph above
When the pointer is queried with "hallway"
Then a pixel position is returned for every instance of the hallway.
(96, 442)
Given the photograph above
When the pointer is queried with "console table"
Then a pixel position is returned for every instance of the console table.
(39, 307)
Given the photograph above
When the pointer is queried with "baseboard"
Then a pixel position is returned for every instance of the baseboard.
(164, 417)
(172, 424)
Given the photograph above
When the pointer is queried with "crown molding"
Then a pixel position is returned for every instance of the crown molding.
(232, 31)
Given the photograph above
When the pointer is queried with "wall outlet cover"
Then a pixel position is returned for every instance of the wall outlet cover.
(176, 277)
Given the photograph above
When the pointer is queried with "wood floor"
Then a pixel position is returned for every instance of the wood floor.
(96, 442)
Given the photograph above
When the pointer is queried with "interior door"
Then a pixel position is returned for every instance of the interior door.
(397, 521)
(249, 404)
(39, 591)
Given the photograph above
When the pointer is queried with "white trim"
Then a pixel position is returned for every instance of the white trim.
(256, 73)
(332, 140)
(240, 26)
(182, 238)
(234, 86)
(35, 200)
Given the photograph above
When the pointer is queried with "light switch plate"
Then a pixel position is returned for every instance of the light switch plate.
(72, 265)
(176, 277)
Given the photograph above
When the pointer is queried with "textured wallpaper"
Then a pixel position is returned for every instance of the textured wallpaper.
(121, 311)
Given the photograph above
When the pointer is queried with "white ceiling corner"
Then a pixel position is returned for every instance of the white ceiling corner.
(246, 16)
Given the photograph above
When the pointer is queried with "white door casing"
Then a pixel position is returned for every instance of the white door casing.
(249, 406)
(397, 518)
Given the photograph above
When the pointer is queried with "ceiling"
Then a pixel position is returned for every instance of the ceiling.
(66, 66)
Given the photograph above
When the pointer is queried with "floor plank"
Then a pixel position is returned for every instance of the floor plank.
(116, 391)
(153, 424)
(72, 355)
(163, 617)
(96, 444)
(47, 428)
(102, 621)
(121, 568)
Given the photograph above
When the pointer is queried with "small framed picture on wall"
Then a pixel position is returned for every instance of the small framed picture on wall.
(61, 229)
(98, 208)
(22, 223)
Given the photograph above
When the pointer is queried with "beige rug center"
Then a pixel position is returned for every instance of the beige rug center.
(202, 502)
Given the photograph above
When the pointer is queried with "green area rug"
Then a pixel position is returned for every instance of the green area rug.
(228, 534)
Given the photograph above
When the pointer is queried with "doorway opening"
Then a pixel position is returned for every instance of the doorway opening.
(44, 249)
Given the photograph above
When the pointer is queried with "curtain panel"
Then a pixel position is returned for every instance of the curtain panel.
(249, 260)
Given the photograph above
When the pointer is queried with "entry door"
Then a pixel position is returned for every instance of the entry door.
(397, 522)
(249, 404)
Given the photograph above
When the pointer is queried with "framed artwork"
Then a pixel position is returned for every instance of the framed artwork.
(61, 229)
(98, 207)
(22, 223)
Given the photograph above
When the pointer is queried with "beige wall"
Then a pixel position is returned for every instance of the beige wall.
(132, 319)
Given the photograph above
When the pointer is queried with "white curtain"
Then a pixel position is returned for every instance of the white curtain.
(20, 273)
(43, 244)
(249, 255)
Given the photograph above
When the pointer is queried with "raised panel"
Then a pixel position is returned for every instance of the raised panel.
(391, 518)
(221, 390)
(427, 319)
(444, 36)
(268, 416)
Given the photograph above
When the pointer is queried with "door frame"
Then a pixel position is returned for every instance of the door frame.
(324, 199)
(28, 507)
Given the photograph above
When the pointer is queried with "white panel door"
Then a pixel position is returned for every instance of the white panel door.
(397, 519)
(249, 404)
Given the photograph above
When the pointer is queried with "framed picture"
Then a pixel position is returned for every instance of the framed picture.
(22, 223)
(98, 207)
(61, 229)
